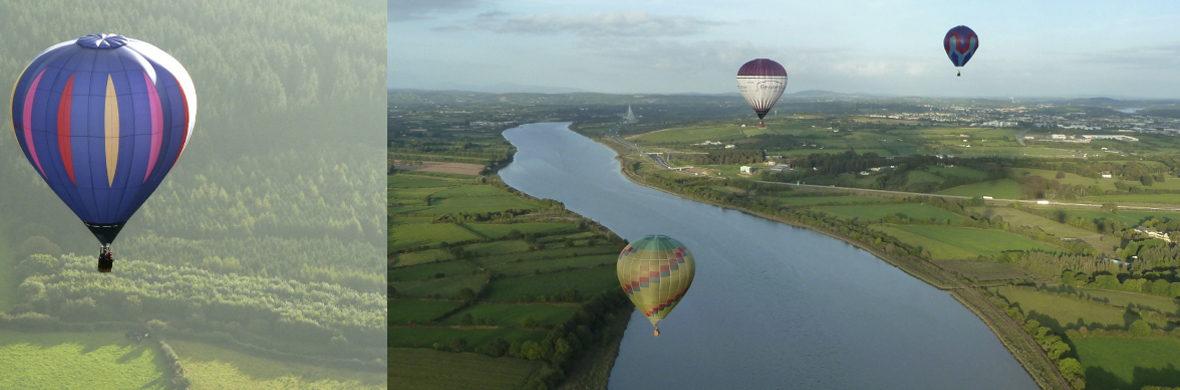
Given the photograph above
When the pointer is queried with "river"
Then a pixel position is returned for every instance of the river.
(772, 306)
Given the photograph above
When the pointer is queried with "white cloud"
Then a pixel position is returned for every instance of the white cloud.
(612, 24)
(401, 10)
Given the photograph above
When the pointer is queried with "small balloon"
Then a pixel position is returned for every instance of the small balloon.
(655, 272)
(762, 82)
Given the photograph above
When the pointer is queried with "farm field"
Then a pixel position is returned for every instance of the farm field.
(415, 181)
(512, 314)
(1002, 189)
(402, 311)
(878, 212)
(215, 368)
(442, 288)
(546, 254)
(815, 200)
(984, 242)
(692, 134)
(525, 268)
(79, 360)
(969, 173)
(425, 337)
(406, 236)
(497, 231)
(432, 271)
(421, 257)
(1118, 363)
(937, 249)
(1068, 312)
(1131, 218)
(1137, 198)
(1021, 218)
(426, 369)
(1123, 298)
(586, 281)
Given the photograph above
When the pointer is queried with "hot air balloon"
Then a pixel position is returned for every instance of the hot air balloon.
(655, 272)
(960, 44)
(762, 82)
(102, 119)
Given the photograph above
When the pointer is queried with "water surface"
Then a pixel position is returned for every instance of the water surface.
(772, 306)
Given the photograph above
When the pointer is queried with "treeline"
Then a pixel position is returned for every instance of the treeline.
(200, 300)
(1054, 345)
(727, 157)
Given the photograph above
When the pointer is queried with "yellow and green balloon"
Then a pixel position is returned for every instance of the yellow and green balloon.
(655, 272)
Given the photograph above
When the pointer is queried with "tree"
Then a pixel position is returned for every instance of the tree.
(458, 344)
(529, 322)
(1060, 174)
(467, 320)
(1139, 328)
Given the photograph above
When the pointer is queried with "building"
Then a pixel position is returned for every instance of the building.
(747, 169)
(1154, 233)
(1107, 175)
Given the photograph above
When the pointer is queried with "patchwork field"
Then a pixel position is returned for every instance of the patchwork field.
(83, 361)
(587, 281)
(1068, 312)
(215, 368)
(512, 314)
(425, 369)
(402, 311)
(878, 212)
(1001, 189)
(984, 242)
(937, 249)
(1116, 363)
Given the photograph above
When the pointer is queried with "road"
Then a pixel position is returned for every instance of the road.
(614, 133)
(1038, 202)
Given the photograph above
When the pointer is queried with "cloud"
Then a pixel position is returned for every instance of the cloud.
(402, 10)
(1158, 56)
(612, 24)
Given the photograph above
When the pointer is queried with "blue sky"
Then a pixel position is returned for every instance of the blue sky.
(1050, 48)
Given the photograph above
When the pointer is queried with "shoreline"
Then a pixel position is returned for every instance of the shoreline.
(1034, 361)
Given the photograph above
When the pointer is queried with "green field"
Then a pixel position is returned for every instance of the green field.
(1136, 198)
(215, 368)
(587, 281)
(814, 200)
(545, 254)
(1116, 363)
(1123, 298)
(475, 204)
(877, 212)
(1069, 312)
(693, 134)
(1001, 189)
(937, 249)
(421, 257)
(528, 267)
(420, 337)
(497, 247)
(402, 311)
(430, 271)
(984, 242)
(969, 173)
(429, 234)
(445, 287)
(426, 369)
(83, 361)
(413, 181)
(511, 314)
(1131, 218)
(501, 230)
(1021, 218)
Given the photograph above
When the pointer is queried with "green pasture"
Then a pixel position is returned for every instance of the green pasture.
(529, 267)
(1131, 218)
(414, 196)
(403, 220)
(1021, 218)
(445, 287)
(215, 368)
(815, 200)
(982, 241)
(937, 249)
(693, 134)
(512, 314)
(970, 173)
(80, 360)
(429, 271)
(1119, 363)
(878, 212)
(422, 257)
(471, 191)
(1071, 178)
(413, 181)
(919, 177)
(1070, 312)
(545, 254)
(497, 247)
(1000, 189)
(588, 281)
(427, 369)
(402, 311)
(1124, 298)
(500, 230)
(423, 337)
(430, 234)
(476, 204)
(1136, 198)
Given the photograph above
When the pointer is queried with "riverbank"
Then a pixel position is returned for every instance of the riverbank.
(1010, 334)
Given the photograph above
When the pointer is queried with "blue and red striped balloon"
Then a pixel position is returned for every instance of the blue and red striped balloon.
(960, 44)
(102, 119)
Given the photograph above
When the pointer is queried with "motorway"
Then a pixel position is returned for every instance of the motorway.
(614, 133)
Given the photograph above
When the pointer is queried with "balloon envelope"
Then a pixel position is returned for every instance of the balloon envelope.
(960, 44)
(102, 119)
(762, 82)
(655, 272)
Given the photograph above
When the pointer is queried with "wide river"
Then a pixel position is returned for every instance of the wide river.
(772, 306)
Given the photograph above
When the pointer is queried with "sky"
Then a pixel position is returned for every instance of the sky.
(1080, 48)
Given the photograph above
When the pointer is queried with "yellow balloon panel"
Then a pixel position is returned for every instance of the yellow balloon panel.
(655, 272)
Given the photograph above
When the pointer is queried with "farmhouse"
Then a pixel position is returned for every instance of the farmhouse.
(1154, 233)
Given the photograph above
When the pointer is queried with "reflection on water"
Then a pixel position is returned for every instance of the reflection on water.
(772, 306)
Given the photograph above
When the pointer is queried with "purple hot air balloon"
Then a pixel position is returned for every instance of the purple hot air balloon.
(960, 44)
(102, 119)
(762, 82)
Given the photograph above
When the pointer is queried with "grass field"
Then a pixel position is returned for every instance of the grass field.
(969, 173)
(692, 134)
(1115, 363)
(1137, 198)
(1069, 312)
(428, 234)
(474, 204)
(420, 257)
(402, 311)
(476, 337)
(587, 281)
(877, 212)
(1003, 189)
(497, 231)
(525, 268)
(1123, 298)
(1020, 218)
(556, 253)
(497, 247)
(510, 314)
(814, 200)
(984, 242)
(937, 249)
(414, 181)
(445, 287)
(83, 361)
(425, 369)
(429, 271)
(984, 271)
(215, 368)
(1131, 218)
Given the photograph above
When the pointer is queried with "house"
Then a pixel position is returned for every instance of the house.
(1154, 233)
(746, 169)
(1107, 175)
